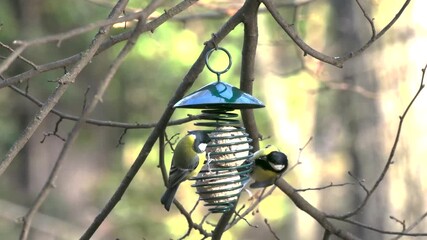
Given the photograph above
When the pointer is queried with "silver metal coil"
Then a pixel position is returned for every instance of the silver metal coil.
(227, 168)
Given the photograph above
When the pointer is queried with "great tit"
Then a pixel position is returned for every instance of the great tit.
(188, 158)
(270, 164)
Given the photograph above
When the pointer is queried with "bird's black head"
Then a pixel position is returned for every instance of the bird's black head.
(278, 161)
(202, 139)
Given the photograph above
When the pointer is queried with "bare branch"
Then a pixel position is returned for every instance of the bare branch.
(162, 165)
(299, 155)
(412, 226)
(121, 142)
(370, 20)
(391, 154)
(290, 31)
(54, 133)
(11, 58)
(305, 206)
(331, 185)
(99, 38)
(88, 107)
(188, 81)
(360, 182)
(382, 231)
(64, 83)
(106, 45)
(258, 198)
(400, 222)
(190, 222)
(236, 213)
(19, 56)
(271, 229)
(247, 72)
(106, 123)
(336, 61)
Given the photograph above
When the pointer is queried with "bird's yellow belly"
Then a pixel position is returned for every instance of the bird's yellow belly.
(261, 175)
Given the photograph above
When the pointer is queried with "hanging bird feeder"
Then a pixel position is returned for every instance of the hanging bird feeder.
(222, 178)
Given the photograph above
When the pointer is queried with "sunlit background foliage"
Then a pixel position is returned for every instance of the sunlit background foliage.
(303, 98)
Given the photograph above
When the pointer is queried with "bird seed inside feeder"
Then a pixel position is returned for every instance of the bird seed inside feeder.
(229, 147)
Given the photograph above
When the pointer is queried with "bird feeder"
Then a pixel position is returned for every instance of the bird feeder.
(227, 168)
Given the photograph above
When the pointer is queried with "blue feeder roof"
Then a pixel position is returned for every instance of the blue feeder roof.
(219, 95)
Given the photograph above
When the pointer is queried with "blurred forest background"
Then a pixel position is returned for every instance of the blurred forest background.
(352, 114)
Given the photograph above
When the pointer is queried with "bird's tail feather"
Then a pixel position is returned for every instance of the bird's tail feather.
(168, 197)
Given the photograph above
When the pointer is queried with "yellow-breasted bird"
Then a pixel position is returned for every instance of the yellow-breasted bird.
(188, 158)
(270, 164)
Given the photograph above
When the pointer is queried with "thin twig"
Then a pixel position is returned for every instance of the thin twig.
(305, 206)
(369, 19)
(244, 219)
(401, 233)
(412, 226)
(402, 223)
(250, 209)
(106, 45)
(391, 154)
(19, 56)
(122, 136)
(191, 224)
(188, 81)
(11, 58)
(336, 61)
(271, 229)
(331, 185)
(63, 83)
(99, 38)
(360, 182)
(162, 164)
(106, 123)
(54, 133)
(298, 162)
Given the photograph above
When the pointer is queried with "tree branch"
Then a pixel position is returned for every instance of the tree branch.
(390, 157)
(305, 206)
(102, 34)
(63, 83)
(188, 81)
(336, 61)
(105, 45)
(401, 233)
(106, 123)
(247, 73)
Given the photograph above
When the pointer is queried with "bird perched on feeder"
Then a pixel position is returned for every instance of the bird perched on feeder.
(270, 164)
(188, 158)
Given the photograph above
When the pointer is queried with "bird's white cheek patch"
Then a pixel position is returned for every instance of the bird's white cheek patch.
(202, 146)
(277, 167)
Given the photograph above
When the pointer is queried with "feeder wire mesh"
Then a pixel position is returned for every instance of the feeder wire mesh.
(227, 169)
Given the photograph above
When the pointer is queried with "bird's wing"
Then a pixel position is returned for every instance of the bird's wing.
(262, 184)
(178, 175)
(195, 162)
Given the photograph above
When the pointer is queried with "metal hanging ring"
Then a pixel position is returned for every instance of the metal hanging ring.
(208, 54)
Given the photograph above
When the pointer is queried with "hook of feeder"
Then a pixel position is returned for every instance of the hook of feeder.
(218, 73)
